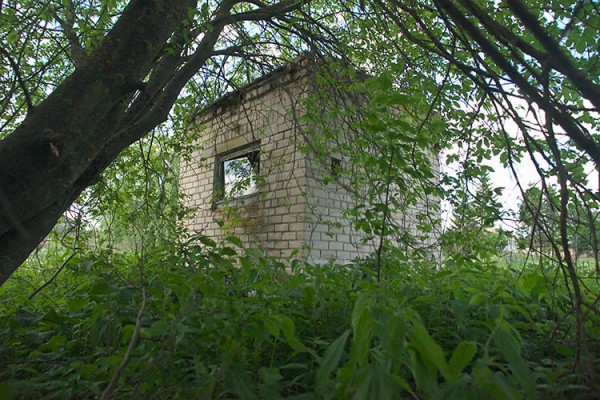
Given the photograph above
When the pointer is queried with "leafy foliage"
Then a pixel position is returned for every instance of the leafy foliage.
(222, 321)
(475, 81)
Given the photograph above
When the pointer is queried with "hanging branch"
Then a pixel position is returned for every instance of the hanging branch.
(560, 59)
(581, 139)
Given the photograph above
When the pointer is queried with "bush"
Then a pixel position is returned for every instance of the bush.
(220, 321)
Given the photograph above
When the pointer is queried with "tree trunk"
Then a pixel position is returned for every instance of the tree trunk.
(65, 142)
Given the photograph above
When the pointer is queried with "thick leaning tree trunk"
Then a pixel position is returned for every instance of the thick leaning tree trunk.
(70, 138)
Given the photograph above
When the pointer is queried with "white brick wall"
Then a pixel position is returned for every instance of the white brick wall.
(293, 207)
(273, 217)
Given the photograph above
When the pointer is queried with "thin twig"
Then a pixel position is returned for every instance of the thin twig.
(19, 77)
(385, 214)
(107, 393)
(49, 281)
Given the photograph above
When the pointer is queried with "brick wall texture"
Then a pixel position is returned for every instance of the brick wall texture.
(294, 208)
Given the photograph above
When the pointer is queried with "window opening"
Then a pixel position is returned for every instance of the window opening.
(336, 167)
(237, 173)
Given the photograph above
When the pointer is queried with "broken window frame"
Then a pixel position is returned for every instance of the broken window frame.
(252, 153)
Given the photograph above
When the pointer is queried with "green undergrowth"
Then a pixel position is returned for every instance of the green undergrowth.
(224, 322)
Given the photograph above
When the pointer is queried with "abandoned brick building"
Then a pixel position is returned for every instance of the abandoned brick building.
(252, 176)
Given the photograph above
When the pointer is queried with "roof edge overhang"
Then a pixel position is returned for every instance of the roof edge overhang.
(237, 96)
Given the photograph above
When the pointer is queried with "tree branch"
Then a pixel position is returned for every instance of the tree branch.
(78, 54)
(562, 62)
(584, 142)
(53, 277)
(17, 72)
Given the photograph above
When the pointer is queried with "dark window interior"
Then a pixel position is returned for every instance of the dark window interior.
(336, 167)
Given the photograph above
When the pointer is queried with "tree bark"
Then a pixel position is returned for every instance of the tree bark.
(69, 139)
(118, 94)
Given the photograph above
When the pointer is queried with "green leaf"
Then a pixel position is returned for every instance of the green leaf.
(53, 317)
(362, 328)
(54, 344)
(87, 370)
(158, 328)
(365, 383)
(330, 361)
(289, 331)
(461, 357)
(272, 325)
(205, 240)
(13, 36)
(425, 378)
(403, 384)
(270, 376)
(477, 299)
(235, 240)
(27, 318)
(382, 82)
(101, 288)
(428, 349)
(401, 99)
(491, 385)
(76, 303)
(5, 391)
(510, 348)
(228, 251)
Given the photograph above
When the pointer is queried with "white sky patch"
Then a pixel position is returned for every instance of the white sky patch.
(240, 177)
(526, 173)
